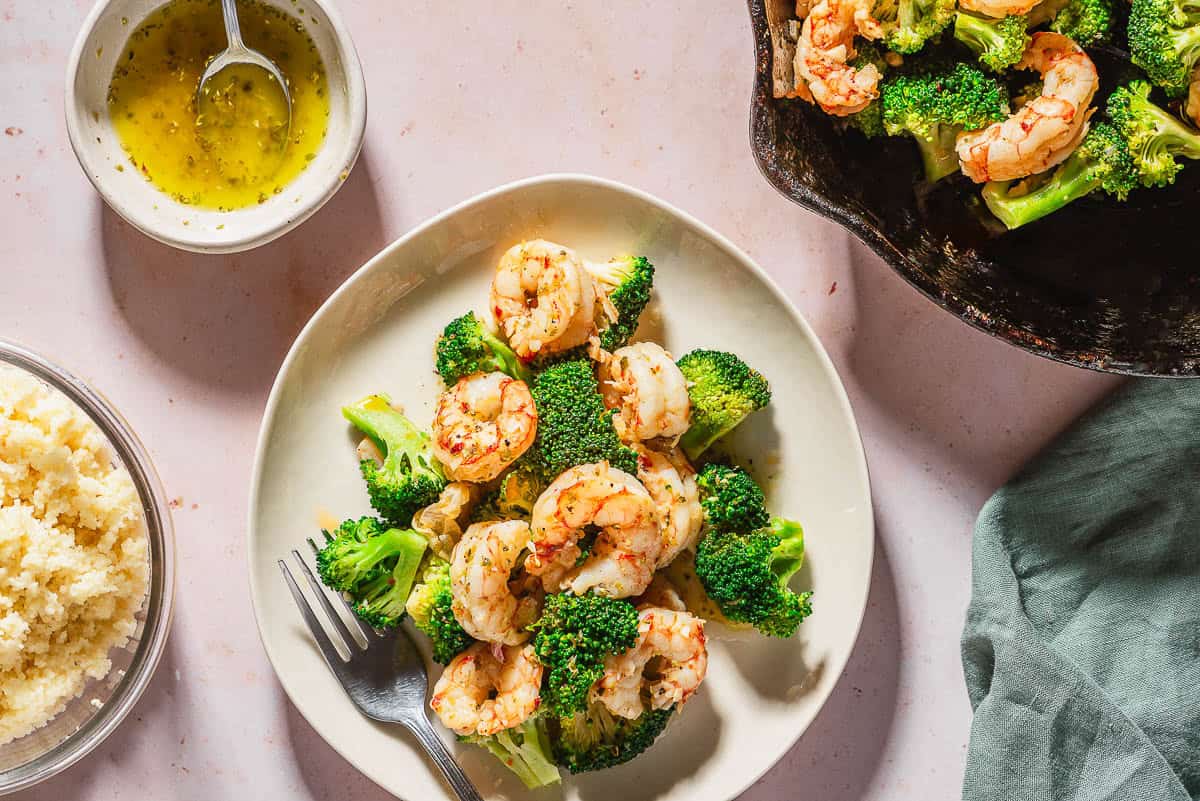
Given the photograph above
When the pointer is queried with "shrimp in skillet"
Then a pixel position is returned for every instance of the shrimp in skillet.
(482, 424)
(999, 9)
(485, 603)
(487, 689)
(675, 641)
(646, 387)
(543, 298)
(599, 499)
(1045, 130)
(824, 50)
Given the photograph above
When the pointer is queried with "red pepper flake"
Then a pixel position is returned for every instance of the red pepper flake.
(457, 447)
(833, 288)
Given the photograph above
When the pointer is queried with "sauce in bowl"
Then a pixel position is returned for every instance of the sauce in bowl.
(243, 153)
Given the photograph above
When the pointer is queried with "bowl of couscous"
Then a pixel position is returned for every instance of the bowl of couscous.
(87, 568)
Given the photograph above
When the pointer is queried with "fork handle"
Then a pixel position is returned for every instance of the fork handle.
(423, 730)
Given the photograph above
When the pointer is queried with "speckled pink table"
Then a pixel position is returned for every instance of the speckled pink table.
(463, 97)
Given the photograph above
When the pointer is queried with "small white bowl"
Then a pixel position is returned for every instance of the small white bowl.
(155, 213)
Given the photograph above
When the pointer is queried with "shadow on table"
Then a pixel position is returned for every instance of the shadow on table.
(227, 321)
(958, 388)
(839, 754)
(325, 772)
(164, 698)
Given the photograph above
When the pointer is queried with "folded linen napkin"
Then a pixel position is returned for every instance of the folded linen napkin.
(1082, 643)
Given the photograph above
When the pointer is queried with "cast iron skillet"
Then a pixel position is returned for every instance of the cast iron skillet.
(1100, 284)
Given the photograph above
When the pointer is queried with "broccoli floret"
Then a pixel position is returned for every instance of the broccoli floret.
(573, 426)
(1164, 40)
(519, 489)
(1086, 22)
(1102, 161)
(525, 750)
(730, 499)
(375, 570)
(1155, 137)
(869, 121)
(430, 605)
(747, 575)
(466, 346)
(998, 43)
(934, 105)
(628, 281)
(571, 639)
(909, 24)
(724, 391)
(409, 477)
(346, 562)
(595, 739)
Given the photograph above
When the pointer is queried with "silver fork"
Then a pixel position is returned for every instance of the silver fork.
(385, 678)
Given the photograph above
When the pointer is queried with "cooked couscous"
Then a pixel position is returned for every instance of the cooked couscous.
(74, 563)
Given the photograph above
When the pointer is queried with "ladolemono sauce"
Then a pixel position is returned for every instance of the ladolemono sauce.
(240, 151)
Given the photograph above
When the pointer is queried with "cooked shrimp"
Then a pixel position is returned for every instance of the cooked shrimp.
(1045, 130)
(543, 298)
(824, 50)
(442, 521)
(671, 482)
(482, 424)
(618, 508)
(646, 387)
(484, 604)
(675, 641)
(663, 594)
(487, 689)
(998, 9)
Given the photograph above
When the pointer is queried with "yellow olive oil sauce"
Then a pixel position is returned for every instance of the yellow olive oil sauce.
(236, 153)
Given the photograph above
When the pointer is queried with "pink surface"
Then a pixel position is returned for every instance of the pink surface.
(464, 97)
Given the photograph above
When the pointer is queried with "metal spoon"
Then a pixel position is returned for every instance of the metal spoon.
(236, 53)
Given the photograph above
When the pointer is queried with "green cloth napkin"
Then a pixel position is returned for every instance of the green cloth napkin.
(1082, 642)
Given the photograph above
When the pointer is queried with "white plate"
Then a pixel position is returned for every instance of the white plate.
(376, 335)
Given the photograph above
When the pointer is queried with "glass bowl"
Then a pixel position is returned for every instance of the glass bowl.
(103, 704)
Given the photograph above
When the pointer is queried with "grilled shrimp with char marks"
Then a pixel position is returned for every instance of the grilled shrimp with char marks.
(543, 298)
(1043, 132)
(673, 644)
(487, 689)
(482, 425)
(485, 603)
(614, 506)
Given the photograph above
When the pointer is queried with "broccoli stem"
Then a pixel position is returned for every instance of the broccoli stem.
(975, 32)
(396, 437)
(1073, 180)
(382, 602)
(938, 153)
(1179, 139)
(788, 556)
(1187, 43)
(526, 751)
(507, 360)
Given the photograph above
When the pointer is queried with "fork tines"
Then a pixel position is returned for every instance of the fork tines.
(330, 648)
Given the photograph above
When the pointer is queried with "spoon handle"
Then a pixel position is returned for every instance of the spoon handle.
(233, 30)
